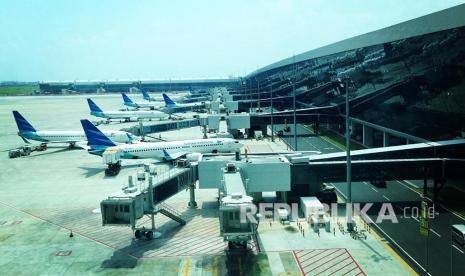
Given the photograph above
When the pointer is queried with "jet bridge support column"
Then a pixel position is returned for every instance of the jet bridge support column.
(192, 202)
(367, 136)
(425, 182)
(385, 139)
(204, 129)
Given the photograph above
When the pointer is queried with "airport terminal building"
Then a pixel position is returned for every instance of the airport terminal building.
(409, 77)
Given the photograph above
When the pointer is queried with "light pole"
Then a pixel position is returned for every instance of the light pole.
(272, 125)
(258, 91)
(293, 100)
(348, 160)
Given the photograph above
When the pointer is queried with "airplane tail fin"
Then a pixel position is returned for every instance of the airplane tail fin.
(168, 101)
(95, 138)
(127, 100)
(93, 107)
(22, 123)
(145, 95)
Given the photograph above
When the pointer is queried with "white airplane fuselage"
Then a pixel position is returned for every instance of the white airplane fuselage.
(160, 98)
(151, 105)
(127, 115)
(175, 149)
(51, 136)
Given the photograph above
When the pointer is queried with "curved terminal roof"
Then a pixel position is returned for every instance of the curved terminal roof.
(438, 21)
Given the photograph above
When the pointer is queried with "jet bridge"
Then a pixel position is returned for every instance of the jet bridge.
(240, 183)
(147, 198)
(234, 200)
(438, 161)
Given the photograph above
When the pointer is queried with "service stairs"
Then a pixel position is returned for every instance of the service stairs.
(170, 213)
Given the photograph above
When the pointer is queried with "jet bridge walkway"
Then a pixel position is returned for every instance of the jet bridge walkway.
(162, 126)
(148, 197)
(439, 161)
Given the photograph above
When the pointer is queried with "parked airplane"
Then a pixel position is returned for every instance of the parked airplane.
(163, 151)
(172, 107)
(149, 98)
(28, 132)
(128, 102)
(126, 115)
(199, 96)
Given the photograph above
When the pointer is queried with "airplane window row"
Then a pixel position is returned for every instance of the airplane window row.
(195, 146)
(67, 136)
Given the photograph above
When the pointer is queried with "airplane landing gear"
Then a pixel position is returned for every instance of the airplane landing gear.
(239, 245)
(113, 169)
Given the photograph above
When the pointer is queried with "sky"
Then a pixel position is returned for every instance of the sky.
(111, 39)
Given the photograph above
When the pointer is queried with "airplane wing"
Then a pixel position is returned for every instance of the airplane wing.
(174, 156)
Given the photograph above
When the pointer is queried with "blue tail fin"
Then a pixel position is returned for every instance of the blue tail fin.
(146, 95)
(95, 138)
(93, 107)
(168, 101)
(22, 123)
(127, 100)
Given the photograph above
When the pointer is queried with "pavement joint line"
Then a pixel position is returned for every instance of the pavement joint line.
(432, 230)
(64, 227)
(454, 246)
(202, 245)
(173, 247)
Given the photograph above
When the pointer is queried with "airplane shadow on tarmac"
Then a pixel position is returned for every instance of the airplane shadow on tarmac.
(92, 171)
(128, 256)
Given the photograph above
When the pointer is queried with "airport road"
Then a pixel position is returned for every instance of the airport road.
(404, 235)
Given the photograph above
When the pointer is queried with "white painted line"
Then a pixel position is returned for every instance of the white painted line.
(374, 189)
(411, 184)
(458, 249)
(386, 198)
(408, 187)
(437, 234)
(364, 182)
(415, 219)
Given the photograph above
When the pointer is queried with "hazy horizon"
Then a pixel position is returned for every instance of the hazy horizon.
(109, 40)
